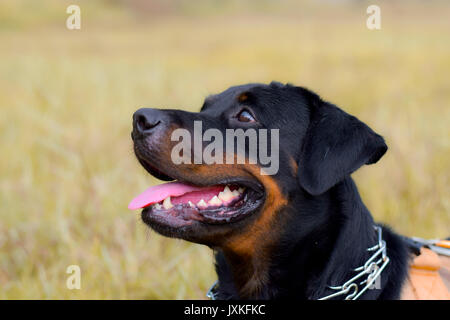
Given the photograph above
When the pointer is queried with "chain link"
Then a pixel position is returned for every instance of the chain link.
(372, 269)
(212, 292)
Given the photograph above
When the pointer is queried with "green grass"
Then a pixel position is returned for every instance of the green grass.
(66, 100)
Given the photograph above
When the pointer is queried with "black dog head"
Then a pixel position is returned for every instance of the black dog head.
(319, 145)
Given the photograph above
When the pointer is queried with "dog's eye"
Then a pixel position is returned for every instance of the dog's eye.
(245, 116)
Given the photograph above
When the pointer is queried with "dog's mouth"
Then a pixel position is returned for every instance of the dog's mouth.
(181, 203)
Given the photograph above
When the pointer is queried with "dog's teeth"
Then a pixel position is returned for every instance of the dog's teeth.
(226, 194)
(157, 206)
(201, 203)
(235, 193)
(191, 204)
(241, 189)
(167, 204)
(215, 201)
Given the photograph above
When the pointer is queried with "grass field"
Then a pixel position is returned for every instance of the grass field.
(67, 170)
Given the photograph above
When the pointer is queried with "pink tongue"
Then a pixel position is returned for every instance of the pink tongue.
(173, 189)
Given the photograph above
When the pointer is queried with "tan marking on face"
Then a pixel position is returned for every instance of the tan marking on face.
(274, 201)
(251, 248)
(243, 97)
(294, 165)
(254, 245)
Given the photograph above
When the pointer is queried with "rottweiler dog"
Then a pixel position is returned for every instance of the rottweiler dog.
(301, 232)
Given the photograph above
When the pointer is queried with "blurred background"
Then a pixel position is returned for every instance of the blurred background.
(67, 169)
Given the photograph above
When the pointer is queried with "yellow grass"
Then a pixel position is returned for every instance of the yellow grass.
(66, 100)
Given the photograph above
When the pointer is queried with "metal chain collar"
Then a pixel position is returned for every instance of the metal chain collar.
(370, 272)
(212, 292)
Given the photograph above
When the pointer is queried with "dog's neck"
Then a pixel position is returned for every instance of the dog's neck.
(320, 247)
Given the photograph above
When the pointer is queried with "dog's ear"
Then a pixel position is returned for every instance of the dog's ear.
(336, 144)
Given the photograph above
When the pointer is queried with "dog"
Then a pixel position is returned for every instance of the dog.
(301, 233)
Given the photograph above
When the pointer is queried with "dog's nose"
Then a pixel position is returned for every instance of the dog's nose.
(146, 120)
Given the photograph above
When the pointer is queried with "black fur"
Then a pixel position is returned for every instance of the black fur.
(323, 230)
(326, 238)
(329, 228)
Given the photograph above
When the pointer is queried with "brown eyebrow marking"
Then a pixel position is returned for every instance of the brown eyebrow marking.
(243, 97)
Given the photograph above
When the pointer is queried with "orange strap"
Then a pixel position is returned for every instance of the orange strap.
(443, 244)
(429, 277)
